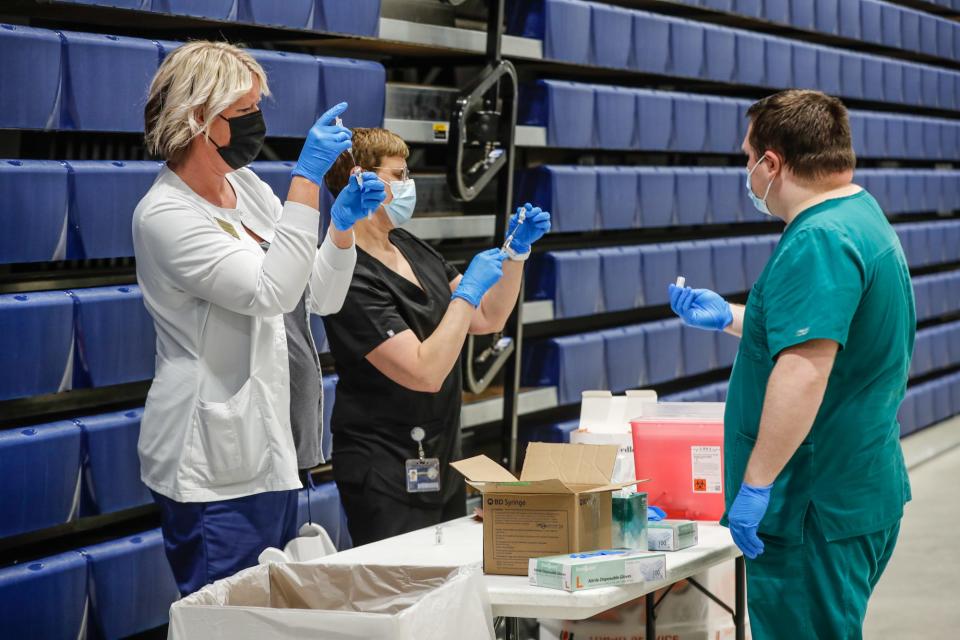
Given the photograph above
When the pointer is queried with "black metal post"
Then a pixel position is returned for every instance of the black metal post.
(740, 597)
(650, 609)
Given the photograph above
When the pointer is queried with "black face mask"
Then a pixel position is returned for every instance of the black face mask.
(247, 133)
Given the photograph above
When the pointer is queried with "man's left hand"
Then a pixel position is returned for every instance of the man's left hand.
(745, 515)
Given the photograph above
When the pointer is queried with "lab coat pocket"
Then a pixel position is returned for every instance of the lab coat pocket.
(231, 440)
(791, 490)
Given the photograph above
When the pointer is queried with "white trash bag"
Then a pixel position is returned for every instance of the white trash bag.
(338, 602)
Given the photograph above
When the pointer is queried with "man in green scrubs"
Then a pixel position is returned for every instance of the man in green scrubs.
(814, 472)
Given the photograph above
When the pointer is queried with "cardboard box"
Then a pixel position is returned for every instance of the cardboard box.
(576, 572)
(671, 535)
(561, 504)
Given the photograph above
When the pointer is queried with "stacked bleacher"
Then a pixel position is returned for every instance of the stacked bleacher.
(57, 341)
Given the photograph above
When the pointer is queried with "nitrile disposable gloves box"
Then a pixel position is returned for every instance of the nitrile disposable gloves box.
(579, 571)
(671, 535)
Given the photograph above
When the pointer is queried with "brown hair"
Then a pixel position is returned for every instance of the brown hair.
(809, 129)
(370, 147)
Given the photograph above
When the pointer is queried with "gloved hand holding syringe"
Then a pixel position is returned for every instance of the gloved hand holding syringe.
(357, 170)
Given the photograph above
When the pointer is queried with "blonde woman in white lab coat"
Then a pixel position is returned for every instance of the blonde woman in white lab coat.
(216, 447)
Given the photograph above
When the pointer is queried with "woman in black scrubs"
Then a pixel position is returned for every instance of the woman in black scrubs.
(397, 343)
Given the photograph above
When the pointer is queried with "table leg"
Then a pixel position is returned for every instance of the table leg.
(649, 607)
(511, 628)
(740, 595)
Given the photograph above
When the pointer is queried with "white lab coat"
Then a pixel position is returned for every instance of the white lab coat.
(217, 419)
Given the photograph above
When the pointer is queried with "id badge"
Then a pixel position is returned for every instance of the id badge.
(423, 475)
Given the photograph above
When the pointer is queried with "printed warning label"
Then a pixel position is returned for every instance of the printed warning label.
(707, 470)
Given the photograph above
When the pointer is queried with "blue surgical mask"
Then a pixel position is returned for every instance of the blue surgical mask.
(759, 203)
(400, 208)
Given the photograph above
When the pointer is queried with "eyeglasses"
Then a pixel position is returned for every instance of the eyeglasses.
(402, 173)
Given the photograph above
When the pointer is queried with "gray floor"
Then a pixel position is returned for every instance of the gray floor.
(919, 595)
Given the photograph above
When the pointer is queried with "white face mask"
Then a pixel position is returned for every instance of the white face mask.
(400, 208)
(759, 203)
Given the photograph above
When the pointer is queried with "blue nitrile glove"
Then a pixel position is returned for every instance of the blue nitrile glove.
(324, 144)
(700, 308)
(745, 515)
(354, 203)
(535, 225)
(485, 270)
(655, 514)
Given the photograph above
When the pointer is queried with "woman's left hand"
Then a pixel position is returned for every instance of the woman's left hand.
(536, 223)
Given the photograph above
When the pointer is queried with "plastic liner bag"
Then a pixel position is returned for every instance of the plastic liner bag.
(338, 602)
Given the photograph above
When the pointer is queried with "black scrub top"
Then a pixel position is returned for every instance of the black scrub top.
(372, 415)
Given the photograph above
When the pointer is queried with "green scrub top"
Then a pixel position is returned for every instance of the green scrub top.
(838, 273)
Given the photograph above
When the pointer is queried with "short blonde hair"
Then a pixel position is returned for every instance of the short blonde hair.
(198, 78)
(370, 147)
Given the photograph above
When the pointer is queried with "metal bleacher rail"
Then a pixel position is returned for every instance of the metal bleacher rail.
(630, 121)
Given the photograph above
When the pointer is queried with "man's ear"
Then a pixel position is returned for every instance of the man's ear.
(773, 161)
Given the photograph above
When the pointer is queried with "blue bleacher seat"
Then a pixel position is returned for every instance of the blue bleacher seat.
(324, 508)
(893, 81)
(620, 273)
(699, 351)
(924, 406)
(890, 27)
(116, 342)
(46, 598)
(611, 36)
(849, 20)
(625, 349)
(563, 25)
(36, 343)
(329, 398)
(663, 347)
(922, 361)
(951, 190)
(660, 265)
(802, 15)
(615, 116)
(566, 109)
(568, 192)
(913, 128)
(912, 83)
(362, 83)
(947, 89)
(111, 468)
(651, 43)
(778, 53)
(216, 9)
(933, 187)
(897, 191)
(941, 339)
(726, 194)
(558, 432)
(932, 138)
(858, 123)
(132, 585)
(33, 205)
(871, 21)
(907, 415)
(319, 334)
(720, 51)
(896, 137)
(30, 75)
(727, 347)
(777, 11)
(291, 108)
(955, 393)
(570, 278)
(930, 85)
(40, 469)
(655, 120)
(756, 253)
(804, 66)
(873, 88)
(827, 16)
(928, 34)
(618, 197)
(141, 5)
(686, 48)
(695, 263)
(727, 265)
(910, 29)
(573, 364)
(103, 196)
(657, 196)
(105, 81)
(953, 345)
(296, 14)
(693, 193)
(722, 125)
(691, 112)
(941, 400)
(949, 140)
(750, 59)
(752, 8)
(275, 174)
(916, 192)
(357, 17)
(922, 287)
(945, 29)
(875, 136)
(951, 234)
(828, 71)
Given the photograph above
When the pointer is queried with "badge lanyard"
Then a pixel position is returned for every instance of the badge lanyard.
(423, 474)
